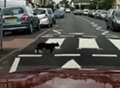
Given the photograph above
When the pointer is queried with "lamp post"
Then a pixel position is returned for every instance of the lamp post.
(1, 33)
(1, 27)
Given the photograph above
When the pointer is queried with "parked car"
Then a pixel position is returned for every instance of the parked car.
(59, 14)
(97, 13)
(113, 20)
(103, 14)
(67, 10)
(85, 11)
(44, 17)
(91, 13)
(51, 14)
(77, 12)
(20, 18)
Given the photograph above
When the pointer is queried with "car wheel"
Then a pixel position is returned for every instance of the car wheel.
(38, 27)
(54, 21)
(107, 26)
(51, 25)
(3, 33)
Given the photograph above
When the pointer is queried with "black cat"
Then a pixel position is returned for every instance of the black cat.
(47, 46)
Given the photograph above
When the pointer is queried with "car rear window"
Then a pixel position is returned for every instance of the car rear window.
(117, 13)
(49, 11)
(13, 11)
(38, 11)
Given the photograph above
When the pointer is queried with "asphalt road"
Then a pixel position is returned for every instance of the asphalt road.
(84, 42)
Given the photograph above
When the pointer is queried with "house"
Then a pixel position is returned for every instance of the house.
(41, 2)
(81, 3)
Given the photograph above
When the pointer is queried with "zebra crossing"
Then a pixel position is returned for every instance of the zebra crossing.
(84, 43)
(73, 59)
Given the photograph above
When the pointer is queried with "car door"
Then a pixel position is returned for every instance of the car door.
(33, 18)
(49, 16)
(111, 19)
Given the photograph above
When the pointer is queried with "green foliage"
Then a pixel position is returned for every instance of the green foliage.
(101, 4)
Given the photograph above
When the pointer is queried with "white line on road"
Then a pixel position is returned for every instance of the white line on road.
(95, 25)
(56, 40)
(57, 32)
(99, 28)
(116, 42)
(88, 43)
(14, 65)
(86, 20)
(62, 55)
(106, 32)
(72, 64)
(104, 55)
(29, 55)
(76, 33)
(92, 23)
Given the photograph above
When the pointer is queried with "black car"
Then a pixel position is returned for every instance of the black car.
(20, 18)
(113, 20)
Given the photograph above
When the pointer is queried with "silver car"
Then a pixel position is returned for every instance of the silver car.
(45, 19)
(20, 18)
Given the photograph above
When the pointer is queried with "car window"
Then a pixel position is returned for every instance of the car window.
(49, 11)
(117, 13)
(29, 10)
(37, 11)
(13, 11)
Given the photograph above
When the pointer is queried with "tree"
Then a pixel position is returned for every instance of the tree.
(101, 4)
(106, 4)
(65, 3)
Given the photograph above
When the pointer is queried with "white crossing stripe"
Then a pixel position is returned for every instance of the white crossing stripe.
(56, 40)
(14, 65)
(72, 64)
(56, 31)
(29, 55)
(115, 42)
(104, 55)
(62, 55)
(89, 43)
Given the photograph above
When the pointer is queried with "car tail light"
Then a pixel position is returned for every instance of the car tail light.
(24, 18)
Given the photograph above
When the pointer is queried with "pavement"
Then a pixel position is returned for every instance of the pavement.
(84, 43)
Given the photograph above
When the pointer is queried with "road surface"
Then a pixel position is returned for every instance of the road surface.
(84, 42)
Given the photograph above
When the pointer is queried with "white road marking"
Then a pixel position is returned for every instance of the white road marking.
(92, 23)
(112, 36)
(85, 20)
(62, 55)
(88, 43)
(48, 35)
(72, 64)
(14, 65)
(56, 40)
(106, 32)
(104, 55)
(95, 25)
(115, 42)
(99, 28)
(76, 33)
(29, 55)
(58, 32)
(66, 36)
